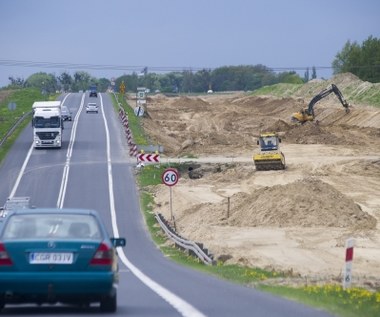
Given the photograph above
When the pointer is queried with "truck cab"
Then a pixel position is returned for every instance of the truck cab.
(47, 124)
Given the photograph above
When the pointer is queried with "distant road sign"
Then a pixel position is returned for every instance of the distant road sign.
(139, 111)
(122, 87)
(141, 95)
(12, 106)
(170, 177)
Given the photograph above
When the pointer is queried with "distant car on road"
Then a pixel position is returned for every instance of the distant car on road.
(93, 91)
(66, 114)
(92, 107)
(58, 256)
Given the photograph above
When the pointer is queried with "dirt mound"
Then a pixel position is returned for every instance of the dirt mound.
(311, 133)
(305, 203)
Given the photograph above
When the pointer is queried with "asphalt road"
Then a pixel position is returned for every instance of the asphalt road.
(93, 170)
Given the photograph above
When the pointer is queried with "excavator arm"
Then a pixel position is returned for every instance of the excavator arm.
(308, 113)
(324, 93)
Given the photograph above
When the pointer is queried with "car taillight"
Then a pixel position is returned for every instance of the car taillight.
(103, 255)
(4, 258)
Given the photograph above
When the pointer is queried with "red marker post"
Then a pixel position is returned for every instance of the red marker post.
(347, 275)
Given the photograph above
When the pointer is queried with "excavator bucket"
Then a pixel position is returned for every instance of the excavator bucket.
(301, 117)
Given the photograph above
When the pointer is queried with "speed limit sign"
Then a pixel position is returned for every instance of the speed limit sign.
(170, 177)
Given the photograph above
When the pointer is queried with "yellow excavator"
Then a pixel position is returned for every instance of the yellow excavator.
(307, 114)
(270, 157)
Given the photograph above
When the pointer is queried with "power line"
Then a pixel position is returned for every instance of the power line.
(138, 68)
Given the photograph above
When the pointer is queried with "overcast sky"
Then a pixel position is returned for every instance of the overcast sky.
(119, 36)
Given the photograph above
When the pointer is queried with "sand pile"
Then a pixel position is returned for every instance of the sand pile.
(304, 203)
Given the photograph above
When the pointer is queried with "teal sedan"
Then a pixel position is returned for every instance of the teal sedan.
(58, 256)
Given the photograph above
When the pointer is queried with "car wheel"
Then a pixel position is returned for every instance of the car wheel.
(109, 303)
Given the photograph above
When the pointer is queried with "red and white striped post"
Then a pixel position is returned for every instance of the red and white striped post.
(347, 276)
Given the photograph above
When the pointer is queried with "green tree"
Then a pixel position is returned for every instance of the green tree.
(47, 83)
(361, 60)
(313, 73)
(16, 82)
(66, 81)
(290, 78)
(82, 81)
(188, 79)
(103, 84)
(306, 76)
(202, 81)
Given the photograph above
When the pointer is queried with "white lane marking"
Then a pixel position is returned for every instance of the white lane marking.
(66, 169)
(184, 308)
(22, 170)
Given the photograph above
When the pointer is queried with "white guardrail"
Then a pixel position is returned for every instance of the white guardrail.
(192, 247)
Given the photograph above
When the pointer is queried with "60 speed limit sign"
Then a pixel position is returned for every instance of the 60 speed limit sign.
(170, 177)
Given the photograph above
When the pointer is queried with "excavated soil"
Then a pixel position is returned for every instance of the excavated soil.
(295, 220)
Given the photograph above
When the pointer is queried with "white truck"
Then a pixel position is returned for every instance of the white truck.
(47, 124)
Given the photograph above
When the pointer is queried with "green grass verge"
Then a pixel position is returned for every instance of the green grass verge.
(23, 99)
(369, 95)
(134, 123)
(352, 302)
(331, 298)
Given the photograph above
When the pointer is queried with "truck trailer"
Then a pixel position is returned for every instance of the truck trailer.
(47, 124)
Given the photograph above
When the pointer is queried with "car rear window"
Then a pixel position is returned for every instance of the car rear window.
(60, 226)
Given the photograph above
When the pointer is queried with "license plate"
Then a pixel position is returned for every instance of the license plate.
(50, 258)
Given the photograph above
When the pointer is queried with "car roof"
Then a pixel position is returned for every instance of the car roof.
(55, 211)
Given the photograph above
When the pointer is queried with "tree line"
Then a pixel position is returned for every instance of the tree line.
(227, 78)
(361, 60)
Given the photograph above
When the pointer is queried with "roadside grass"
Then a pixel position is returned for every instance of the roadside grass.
(134, 125)
(278, 90)
(368, 94)
(351, 302)
(329, 297)
(23, 99)
(12, 138)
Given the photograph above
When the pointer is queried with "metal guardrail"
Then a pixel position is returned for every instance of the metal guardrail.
(192, 247)
(18, 122)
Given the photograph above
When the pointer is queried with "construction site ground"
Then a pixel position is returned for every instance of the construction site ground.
(295, 220)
